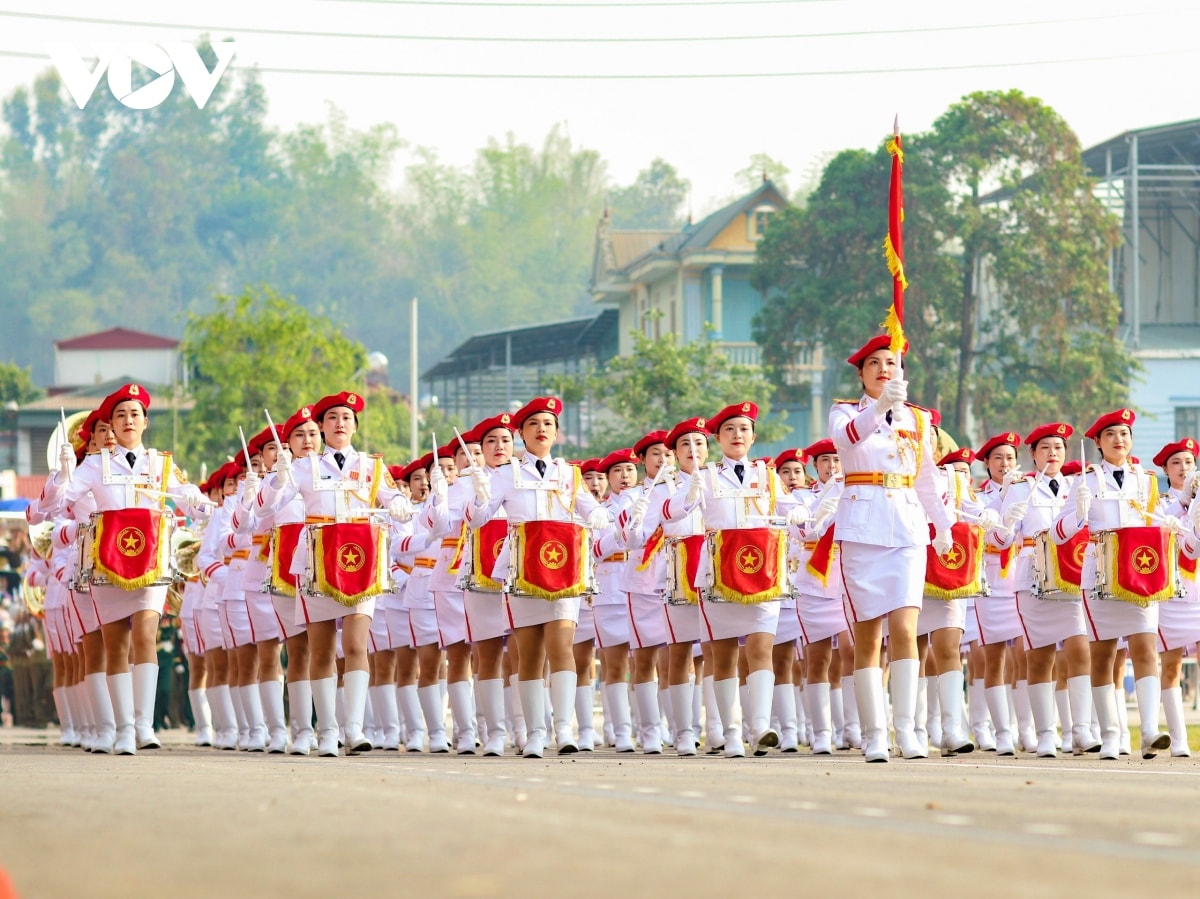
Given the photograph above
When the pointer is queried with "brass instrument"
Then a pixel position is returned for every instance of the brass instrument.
(35, 598)
(185, 545)
(74, 422)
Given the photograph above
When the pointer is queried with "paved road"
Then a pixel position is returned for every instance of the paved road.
(202, 823)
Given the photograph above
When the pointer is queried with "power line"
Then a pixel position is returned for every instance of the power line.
(679, 76)
(286, 32)
(506, 4)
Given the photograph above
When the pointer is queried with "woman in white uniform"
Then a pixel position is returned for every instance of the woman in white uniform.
(886, 450)
(736, 496)
(1113, 495)
(540, 488)
(1179, 617)
(132, 477)
(356, 484)
(789, 465)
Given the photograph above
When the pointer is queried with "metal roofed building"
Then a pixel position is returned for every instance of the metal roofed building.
(1150, 179)
(498, 371)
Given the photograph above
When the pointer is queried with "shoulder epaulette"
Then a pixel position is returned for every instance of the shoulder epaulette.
(845, 402)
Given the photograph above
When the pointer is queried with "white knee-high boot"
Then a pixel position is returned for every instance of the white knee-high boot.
(256, 738)
(533, 701)
(145, 689)
(1062, 701)
(434, 712)
(585, 705)
(851, 727)
(324, 699)
(562, 698)
(649, 716)
(726, 694)
(224, 716)
(819, 712)
(868, 690)
(1172, 701)
(1026, 726)
(1041, 707)
(120, 690)
(1079, 696)
(950, 693)
(409, 700)
(685, 734)
(202, 716)
(714, 729)
(106, 726)
(462, 711)
(1104, 704)
(491, 704)
(356, 683)
(300, 711)
(1149, 693)
(387, 711)
(904, 707)
(783, 707)
(621, 715)
(933, 712)
(837, 715)
(997, 703)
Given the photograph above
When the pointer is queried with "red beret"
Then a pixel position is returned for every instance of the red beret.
(589, 465)
(654, 437)
(1053, 429)
(882, 342)
(230, 469)
(396, 471)
(935, 416)
(791, 455)
(1008, 438)
(256, 443)
(737, 410)
(128, 392)
(302, 415)
(503, 420)
(473, 435)
(616, 457)
(407, 471)
(959, 455)
(551, 404)
(1073, 467)
(1116, 417)
(352, 401)
(687, 426)
(425, 462)
(820, 448)
(448, 450)
(1186, 445)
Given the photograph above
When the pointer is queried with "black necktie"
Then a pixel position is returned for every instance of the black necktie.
(340, 459)
(740, 471)
(540, 465)
(131, 457)
(889, 416)
(1119, 476)
(1054, 486)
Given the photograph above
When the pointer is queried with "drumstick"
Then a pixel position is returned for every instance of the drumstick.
(462, 444)
(245, 449)
(278, 442)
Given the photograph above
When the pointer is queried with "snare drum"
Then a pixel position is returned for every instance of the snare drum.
(749, 566)
(550, 559)
(82, 578)
(347, 562)
(129, 549)
(479, 555)
(683, 565)
(1137, 565)
(1057, 570)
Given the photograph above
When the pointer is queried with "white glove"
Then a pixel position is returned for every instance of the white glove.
(599, 519)
(696, 488)
(637, 512)
(283, 465)
(203, 509)
(1171, 523)
(1083, 501)
(1194, 512)
(989, 519)
(401, 509)
(482, 483)
(249, 489)
(438, 484)
(798, 517)
(1013, 476)
(894, 393)
(826, 508)
(1192, 485)
(66, 460)
(1016, 512)
(943, 542)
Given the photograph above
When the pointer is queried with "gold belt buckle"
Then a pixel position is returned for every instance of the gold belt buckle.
(893, 480)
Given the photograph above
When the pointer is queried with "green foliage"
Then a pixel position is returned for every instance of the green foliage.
(16, 385)
(662, 383)
(653, 201)
(261, 351)
(998, 205)
(763, 168)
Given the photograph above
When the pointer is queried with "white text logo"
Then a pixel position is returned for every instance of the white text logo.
(164, 60)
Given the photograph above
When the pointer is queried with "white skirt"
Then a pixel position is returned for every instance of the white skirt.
(84, 612)
(285, 615)
(323, 608)
(683, 623)
(647, 621)
(236, 629)
(530, 611)
(451, 617)
(1111, 619)
(788, 628)
(486, 615)
(821, 617)
(612, 624)
(1048, 622)
(399, 629)
(115, 604)
(585, 631)
(263, 621)
(939, 614)
(725, 620)
(997, 618)
(1178, 625)
(881, 579)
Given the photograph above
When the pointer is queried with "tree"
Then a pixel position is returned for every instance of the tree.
(1008, 310)
(16, 385)
(763, 168)
(663, 382)
(260, 351)
(652, 201)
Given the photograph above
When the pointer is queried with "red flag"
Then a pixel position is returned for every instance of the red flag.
(822, 553)
(131, 547)
(1067, 562)
(553, 559)
(350, 560)
(687, 566)
(893, 244)
(284, 541)
(959, 572)
(486, 544)
(749, 564)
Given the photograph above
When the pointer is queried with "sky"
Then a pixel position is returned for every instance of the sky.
(798, 80)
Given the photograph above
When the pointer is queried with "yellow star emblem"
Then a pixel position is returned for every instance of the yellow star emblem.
(350, 559)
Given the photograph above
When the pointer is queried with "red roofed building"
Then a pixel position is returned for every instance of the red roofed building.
(96, 358)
